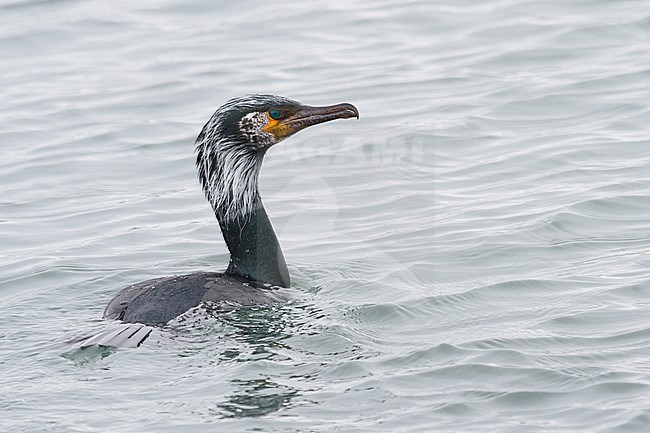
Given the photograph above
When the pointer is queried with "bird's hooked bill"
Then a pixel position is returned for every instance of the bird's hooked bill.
(307, 116)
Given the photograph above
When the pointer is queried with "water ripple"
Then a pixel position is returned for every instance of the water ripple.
(471, 255)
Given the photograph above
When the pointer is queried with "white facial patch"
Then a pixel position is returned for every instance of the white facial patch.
(251, 127)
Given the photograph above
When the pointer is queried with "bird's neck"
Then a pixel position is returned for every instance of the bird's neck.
(255, 252)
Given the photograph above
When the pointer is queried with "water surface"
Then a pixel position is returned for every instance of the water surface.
(472, 255)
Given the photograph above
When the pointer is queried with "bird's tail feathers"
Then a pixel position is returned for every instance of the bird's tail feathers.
(120, 335)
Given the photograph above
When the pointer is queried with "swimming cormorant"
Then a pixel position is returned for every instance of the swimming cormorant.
(229, 154)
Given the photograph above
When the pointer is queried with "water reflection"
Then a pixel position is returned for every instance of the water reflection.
(257, 397)
(88, 355)
(260, 331)
(254, 335)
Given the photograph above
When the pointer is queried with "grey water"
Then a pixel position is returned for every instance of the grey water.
(472, 255)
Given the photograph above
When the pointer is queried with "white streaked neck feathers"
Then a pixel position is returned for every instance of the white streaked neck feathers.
(230, 150)
(229, 174)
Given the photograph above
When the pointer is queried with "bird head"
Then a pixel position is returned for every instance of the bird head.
(260, 121)
(232, 144)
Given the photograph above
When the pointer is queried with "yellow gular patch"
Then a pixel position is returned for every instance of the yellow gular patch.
(277, 128)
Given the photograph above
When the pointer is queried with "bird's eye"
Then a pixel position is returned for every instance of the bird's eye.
(275, 114)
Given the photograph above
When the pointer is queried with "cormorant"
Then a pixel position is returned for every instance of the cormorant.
(229, 154)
